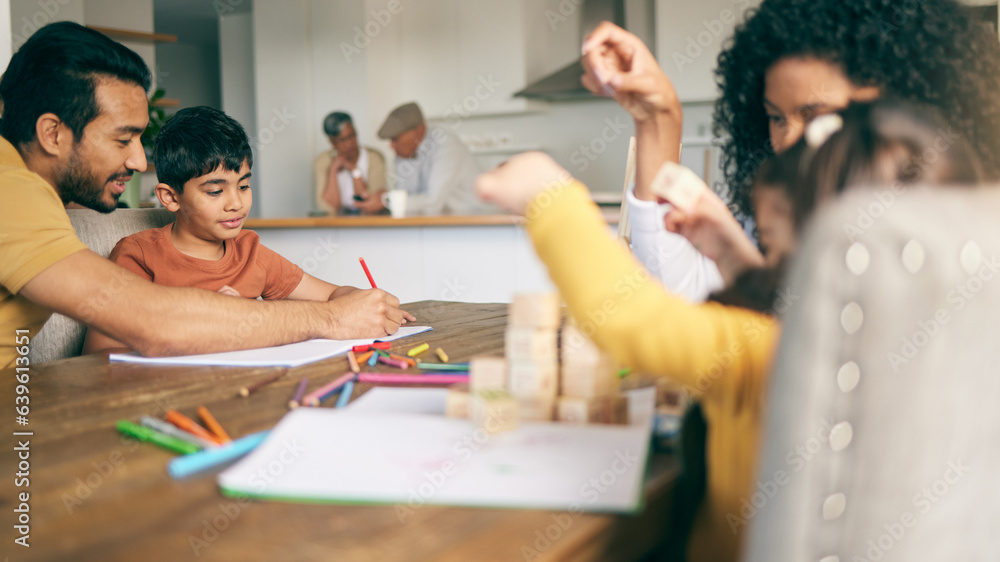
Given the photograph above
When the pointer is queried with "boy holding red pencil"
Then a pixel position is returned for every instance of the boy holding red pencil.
(203, 160)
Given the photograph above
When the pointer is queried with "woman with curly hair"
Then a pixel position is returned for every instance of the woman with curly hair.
(789, 62)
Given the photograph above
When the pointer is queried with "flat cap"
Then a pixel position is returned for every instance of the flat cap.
(400, 120)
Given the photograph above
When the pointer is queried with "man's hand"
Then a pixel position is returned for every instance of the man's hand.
(619, 65)
(713, 230)
(515, 183)
(372, 203)
(371, 313)
(338, 164)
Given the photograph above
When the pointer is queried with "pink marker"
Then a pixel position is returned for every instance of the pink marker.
(380, 378)
(393, 362)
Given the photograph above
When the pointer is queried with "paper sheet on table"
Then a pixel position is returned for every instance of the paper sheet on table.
(338, 456)
(401, 400)
(291, 355)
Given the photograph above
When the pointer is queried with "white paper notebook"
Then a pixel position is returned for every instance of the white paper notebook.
(291, 355)
(326, 455)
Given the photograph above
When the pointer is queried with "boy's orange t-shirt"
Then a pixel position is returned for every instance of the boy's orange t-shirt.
(247, 266)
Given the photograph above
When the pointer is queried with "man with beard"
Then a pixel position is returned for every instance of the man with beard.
(75, 107)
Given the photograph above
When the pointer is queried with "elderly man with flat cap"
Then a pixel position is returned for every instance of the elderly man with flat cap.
(432, 165)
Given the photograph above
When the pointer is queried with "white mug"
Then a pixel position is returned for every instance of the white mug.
(395, 201)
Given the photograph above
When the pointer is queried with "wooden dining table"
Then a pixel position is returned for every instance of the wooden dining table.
(85, 492)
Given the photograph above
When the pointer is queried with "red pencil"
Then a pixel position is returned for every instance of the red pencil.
(368, 273)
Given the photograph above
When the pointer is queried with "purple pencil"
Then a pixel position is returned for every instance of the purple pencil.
(296, 401)
(315, 397)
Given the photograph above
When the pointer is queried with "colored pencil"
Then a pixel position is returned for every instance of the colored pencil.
(352, 360)
(296, 400)
(361, 348)
(394, 363)
(190, 426)
(214, 457)
(174, 431)
(381, 345)
(418, 350)
(441, 355)
(368, 273)
(317, 396)
(246, 390)
(408, 360)
(373, 359)
(213, 425)
(152, 436)
(363, 358)
(382, 378)
(444, 366)
(345, 394)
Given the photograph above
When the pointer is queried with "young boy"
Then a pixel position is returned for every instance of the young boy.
(203, 162)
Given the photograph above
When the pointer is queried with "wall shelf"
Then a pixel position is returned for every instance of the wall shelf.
(135, 35)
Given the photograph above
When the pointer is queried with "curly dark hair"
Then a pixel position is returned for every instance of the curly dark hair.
(927, 51)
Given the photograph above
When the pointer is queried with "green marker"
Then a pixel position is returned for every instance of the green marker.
(444, 366)
(157, 438)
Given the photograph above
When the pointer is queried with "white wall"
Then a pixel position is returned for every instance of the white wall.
(28, 16)
(5, 34)
(134, 15)
(189, 72)
(237, 83)
(286, 131)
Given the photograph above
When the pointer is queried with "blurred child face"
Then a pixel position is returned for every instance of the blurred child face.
(213, 206)
(775, 223)
(796, 90)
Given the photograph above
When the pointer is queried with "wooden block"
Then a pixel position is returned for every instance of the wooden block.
(575, 346)
(537, 310)
(486, 373)
(536, 409)
(527, 343)
(456, 403)
(572, 409)
(531, 379)
(493, 410)
(678, 185)
(588, 381)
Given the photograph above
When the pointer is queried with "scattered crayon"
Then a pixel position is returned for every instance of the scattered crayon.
(246, 390)
(296, 400)
(352, 360)
(441, 355)
(418, 350)
(152, 436)
(213, 424)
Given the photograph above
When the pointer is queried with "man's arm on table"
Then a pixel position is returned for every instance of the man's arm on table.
(159, 321)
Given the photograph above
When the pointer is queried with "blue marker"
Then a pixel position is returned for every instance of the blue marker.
(215, 456)
(345, 394)
(373, 359)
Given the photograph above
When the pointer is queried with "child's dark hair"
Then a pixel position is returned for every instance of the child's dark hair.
(882, 143)
(197, 141)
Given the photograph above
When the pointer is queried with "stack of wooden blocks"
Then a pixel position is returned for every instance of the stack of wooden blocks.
(525, 384)
(589, 382)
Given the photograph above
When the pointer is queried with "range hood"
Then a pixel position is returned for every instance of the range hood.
(564, 84)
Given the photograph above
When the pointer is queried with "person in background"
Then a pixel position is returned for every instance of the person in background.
(348, 172)
(75, 107)
(203, 163)
(793, 60)
(432, 166)
(720, 353)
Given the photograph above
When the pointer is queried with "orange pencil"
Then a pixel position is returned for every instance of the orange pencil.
(353, 361)
(408, 360)
(364, 357)
(189, 425)
(213, 424)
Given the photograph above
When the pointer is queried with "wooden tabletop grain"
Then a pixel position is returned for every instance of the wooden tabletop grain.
(94, 495)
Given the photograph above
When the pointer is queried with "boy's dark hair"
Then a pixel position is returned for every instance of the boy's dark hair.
(931, 52)
(57, 71)
(197, 141)
(334, 123)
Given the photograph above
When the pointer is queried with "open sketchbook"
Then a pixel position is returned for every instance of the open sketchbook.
(339, 456)
(291, 355)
